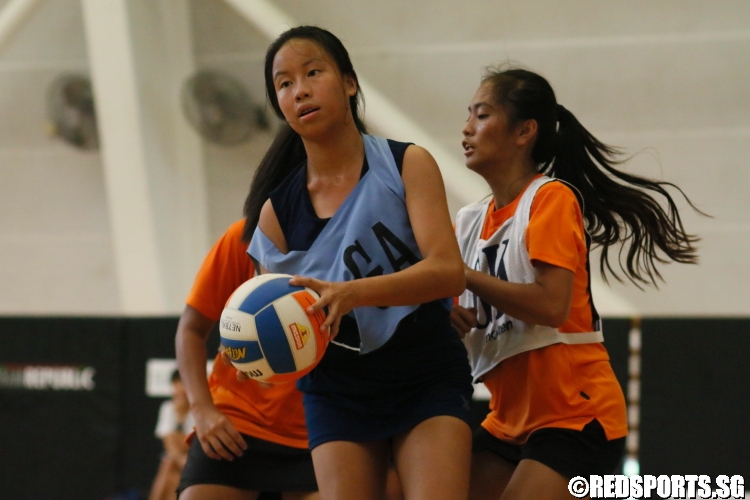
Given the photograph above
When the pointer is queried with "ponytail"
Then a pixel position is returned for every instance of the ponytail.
(626, 211)
(617, 207)
(286, 153)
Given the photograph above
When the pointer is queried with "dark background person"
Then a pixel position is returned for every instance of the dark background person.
(172, 426)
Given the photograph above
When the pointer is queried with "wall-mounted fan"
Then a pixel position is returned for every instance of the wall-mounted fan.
(220, 109)
(70, 109)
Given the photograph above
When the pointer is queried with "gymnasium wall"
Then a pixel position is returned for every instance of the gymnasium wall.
(78, 424)
(667, 80)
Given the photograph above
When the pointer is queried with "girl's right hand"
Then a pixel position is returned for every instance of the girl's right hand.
(463, 319)
(336, 300)
(216, 433)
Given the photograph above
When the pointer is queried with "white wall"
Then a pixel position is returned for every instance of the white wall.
(671, 78)
(55, 250)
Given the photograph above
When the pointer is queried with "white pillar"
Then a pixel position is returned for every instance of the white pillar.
(139, 54)
(189, 218)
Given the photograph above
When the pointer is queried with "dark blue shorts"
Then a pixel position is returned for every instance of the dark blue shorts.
(421, 372)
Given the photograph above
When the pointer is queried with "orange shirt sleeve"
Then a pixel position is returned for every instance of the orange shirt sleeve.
(555, 234)
(225, 268)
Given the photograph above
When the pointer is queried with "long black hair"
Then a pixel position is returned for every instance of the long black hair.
(287, 151)
(617, 207)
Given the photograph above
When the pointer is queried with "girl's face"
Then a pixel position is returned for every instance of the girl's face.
(488, 142)
(312, 93)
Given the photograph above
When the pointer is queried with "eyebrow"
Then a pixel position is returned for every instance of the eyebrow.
(306, 63)
(479, 105)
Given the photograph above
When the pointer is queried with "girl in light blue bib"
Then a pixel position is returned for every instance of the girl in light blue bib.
(364, 221)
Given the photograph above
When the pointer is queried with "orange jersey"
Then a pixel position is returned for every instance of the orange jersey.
(271, 413)
(560, 385)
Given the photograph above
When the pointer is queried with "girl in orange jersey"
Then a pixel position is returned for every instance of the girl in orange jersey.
(250, 438)
(527, 316)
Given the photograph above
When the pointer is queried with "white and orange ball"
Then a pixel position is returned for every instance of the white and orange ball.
(266, 331)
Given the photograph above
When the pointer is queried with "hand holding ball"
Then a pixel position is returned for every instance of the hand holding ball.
(266, 331)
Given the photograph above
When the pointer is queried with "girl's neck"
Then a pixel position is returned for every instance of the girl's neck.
(507, 183)
(335, 154)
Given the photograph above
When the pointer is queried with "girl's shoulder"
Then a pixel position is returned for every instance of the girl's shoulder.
(397, 149)
(234, 231)
(558, 191)
(557, 201)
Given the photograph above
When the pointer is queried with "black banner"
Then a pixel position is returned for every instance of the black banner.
(695, 397)
(60, 407)
(76, 421)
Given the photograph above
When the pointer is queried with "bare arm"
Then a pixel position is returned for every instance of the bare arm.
(217, 435)
(190, 344)
(544, 302)
(439, 273)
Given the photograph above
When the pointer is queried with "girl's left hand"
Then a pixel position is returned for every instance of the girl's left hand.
(336, 299)
(463, 319)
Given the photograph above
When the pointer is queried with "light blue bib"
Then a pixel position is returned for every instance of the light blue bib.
(370, 234)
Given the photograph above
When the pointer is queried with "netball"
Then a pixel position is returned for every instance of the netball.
(266, 331)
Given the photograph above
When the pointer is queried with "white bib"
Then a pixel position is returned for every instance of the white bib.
(499, 336)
